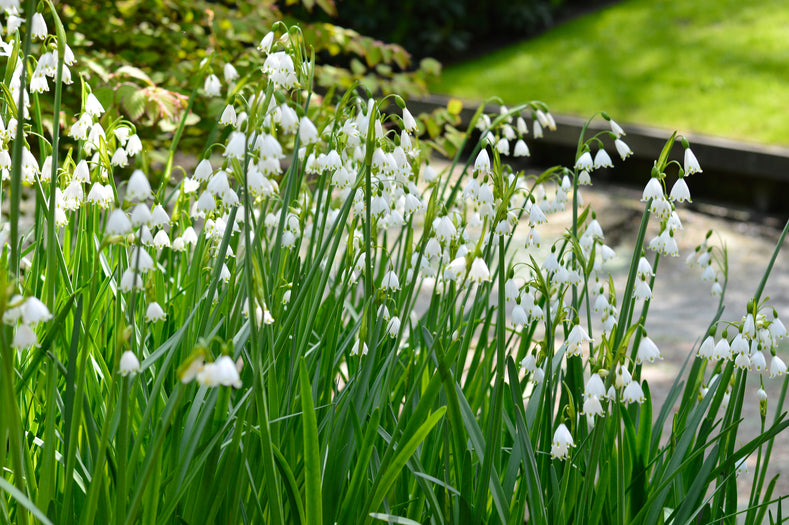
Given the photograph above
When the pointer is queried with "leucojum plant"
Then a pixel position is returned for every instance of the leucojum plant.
(314, 325)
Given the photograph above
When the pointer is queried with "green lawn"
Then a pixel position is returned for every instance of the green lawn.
(719, 67)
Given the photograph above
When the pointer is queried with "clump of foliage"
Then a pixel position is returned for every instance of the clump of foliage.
(245, 344)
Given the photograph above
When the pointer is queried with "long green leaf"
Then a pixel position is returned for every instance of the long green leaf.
(404, 452)
(24, 501)
(312, 465)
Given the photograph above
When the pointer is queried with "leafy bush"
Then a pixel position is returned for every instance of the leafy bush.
(243, 344)
(144, 58)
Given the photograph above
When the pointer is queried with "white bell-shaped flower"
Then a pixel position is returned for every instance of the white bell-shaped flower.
(138, 188)
(647, 351)
(129, 364)
(562, 443)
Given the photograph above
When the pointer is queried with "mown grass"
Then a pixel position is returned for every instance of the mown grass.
(717, 67)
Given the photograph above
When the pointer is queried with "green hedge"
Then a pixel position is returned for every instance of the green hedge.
(449, 29)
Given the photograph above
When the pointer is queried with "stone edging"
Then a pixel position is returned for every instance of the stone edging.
(758, 175)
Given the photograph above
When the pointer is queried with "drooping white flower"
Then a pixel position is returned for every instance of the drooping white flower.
(616, 129)
(130, 279)
(479, 272)
(429, 174)
(595, 387)
(138, 188)
(228, 117)
(622, 148)
(308, 133)
(562, 442)
(203, 171)
(393, 326)
(222, 372)
(749, 327)
(129, 364)
(576, 340)
(633, 393)
(141, 259)
(777, 366)
(482, 163)
(653, 190)
(359, 347)
(592, 406)
(537, 130)
(161, 240)
(647, 351)
(503, 146)
(236, 146)
(742, 467)
(412, 204)
(141, 215)
(777, 329)
(133, 145)
(602, 159)
(118, 223)
(691, 163)
(742, 361)
(154, 313)
(73, 196)
(93, 106)
(739, 345)
(219, 184)
(279, 68)
(623, 377)
(34, 311)
(758, 362)
(521, 149)
(550, 264)
(445, 230)
(707, 348)
(722, 350)
(519, 316)
(38, 27)
(25, 337)
(14, 22)
(265, 43)
(455, 269)
(585, 162)
(38, 83)
(230, 73)
(536, 215)
(529, 363)
(390, 282)
(212, 86)
(409, 123)
(159, 217)
(206, 203)
(642, 290)
(533, 239)
(120, 158)
(680, 191)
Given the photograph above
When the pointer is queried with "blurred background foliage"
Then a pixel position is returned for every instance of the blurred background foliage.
(450, 30)
(147, 56)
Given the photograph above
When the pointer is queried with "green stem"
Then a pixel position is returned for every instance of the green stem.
(16, 157)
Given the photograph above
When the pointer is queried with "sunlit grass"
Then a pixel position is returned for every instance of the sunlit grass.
(709, 66)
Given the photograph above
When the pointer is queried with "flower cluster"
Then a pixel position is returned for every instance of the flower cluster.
(25, 313)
